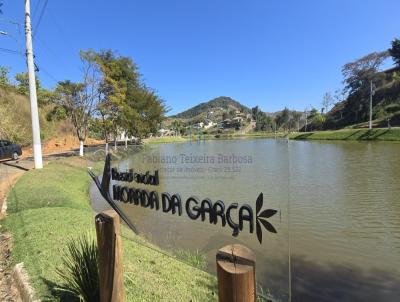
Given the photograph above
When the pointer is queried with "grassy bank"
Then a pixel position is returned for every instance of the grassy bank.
(165, 139)
(343, 134)
(380, 134)
(351, 134)
(219, 136)
(49, 206)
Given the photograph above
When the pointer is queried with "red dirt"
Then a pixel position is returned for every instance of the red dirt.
(58, 145)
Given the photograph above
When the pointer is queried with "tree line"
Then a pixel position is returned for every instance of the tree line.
(110, 99)
(349, 105)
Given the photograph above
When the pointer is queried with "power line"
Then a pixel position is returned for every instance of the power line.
(49, 51)
(61, 36)
(36, 8)
(11, 51)
(20, 46)
(37, 68)
(49, 75)
(17, 24)
(41, 16)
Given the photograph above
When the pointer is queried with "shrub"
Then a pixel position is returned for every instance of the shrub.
(80, 270)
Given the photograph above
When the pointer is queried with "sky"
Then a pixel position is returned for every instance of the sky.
(259, 52)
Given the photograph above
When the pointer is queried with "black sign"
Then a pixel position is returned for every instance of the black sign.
(238, 218)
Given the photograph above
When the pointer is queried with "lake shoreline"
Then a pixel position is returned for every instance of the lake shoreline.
(362, 134)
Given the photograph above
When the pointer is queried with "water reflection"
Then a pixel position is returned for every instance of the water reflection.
(344, 203)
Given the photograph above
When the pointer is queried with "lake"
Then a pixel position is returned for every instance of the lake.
(338, 203)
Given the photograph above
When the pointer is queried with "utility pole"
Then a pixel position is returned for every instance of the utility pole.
(305, 127)
(370, 103)
(37, 147)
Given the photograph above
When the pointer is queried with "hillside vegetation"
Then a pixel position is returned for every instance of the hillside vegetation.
(223, 102)
(351, 135)
(355, 109)
(15, 118)
(110, 102)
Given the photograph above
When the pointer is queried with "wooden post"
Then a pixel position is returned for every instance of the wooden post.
(110, 257)
(236, 274)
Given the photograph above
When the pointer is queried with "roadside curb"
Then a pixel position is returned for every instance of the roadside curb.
(3, 209)
(23, 286)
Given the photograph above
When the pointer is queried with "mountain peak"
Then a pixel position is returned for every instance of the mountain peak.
(221, 102)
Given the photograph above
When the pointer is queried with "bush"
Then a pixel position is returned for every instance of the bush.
(80, 271)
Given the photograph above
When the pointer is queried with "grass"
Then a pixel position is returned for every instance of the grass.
(216, 136)
(195, 259)
(49, 207)
(165, 139)
(377, 134)
(351, 134)
(262, 134)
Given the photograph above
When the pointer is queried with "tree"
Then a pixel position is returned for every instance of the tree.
(254, 112)
(358, 76)
(23, 83)
(71, 97)
(316, 120)
(340, 97)
(296, 117)
(282, 119)
(4, 81)
(79, 99)
(369, 63)
(112, 94)
(264, 122)
(177, 126)
(327, 101)
(232, 113)
(44, 96)
(125, 103)
(395, 51)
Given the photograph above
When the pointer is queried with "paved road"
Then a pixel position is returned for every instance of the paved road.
(9, 172)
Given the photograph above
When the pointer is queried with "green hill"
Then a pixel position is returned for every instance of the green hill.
(15, 118)
(224, 102)
(386, 106)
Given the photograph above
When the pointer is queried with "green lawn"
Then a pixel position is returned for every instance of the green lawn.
(166, 139)
(378, 134)
(351, 134)
(50, 206)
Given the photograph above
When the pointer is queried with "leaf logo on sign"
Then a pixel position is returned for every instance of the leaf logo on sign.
(261, 218)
